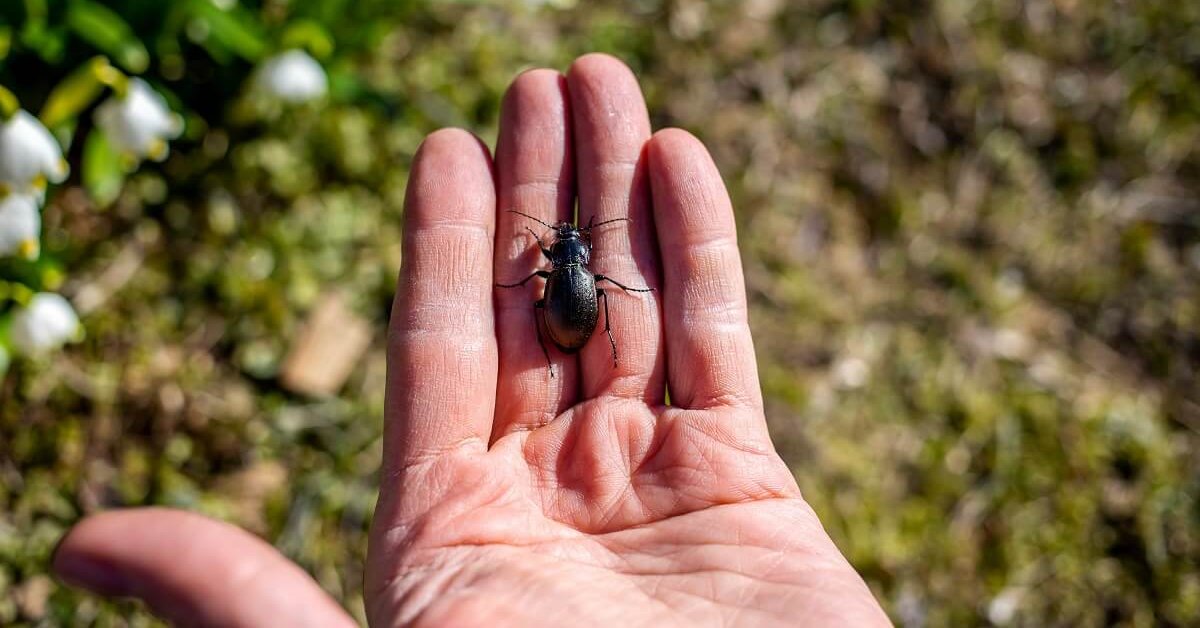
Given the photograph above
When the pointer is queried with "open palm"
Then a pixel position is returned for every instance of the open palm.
(513, 497)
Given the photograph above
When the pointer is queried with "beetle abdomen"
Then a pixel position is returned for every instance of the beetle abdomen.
(570, 307)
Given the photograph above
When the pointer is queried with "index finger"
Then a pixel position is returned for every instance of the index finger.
(442, 356)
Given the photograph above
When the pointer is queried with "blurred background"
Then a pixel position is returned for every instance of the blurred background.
(971, 232)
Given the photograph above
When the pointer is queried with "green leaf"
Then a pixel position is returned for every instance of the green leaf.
(36, 10)
(5, 40)
(48, 43)
(103, 173)
(105, 29)
(73, 94)
(233, 30)
(9, 105)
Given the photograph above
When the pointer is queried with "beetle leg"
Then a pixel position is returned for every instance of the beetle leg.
(618, 284)
(601, 294)
(545, 274)
(540, 305)
(545, 251)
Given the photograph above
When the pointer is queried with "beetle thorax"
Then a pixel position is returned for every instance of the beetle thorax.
(570, 249)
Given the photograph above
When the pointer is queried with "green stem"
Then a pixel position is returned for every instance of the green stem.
(110, 76)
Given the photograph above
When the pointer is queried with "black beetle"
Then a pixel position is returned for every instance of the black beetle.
(570, 303)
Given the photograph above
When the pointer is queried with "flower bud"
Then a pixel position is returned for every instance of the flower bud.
(47, 322)
(293, 76)
(139, 123)
(20, 226)
(29, 156)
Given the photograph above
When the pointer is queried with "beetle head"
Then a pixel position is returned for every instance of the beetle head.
(567, 231)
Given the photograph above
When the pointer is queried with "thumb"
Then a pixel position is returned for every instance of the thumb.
(192, 571)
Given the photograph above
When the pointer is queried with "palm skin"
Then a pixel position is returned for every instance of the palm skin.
(512, 497)
(616, 512)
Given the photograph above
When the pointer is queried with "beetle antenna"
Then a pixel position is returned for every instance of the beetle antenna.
(605, 222)
(513, 211)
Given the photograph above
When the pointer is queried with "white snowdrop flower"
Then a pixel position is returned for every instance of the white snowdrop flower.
(46, 323)
(20, 225)
(29, 156)
(293, 76)
(1003, 608)
(139, 123)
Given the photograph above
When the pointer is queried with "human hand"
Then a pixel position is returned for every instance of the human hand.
(512, 498)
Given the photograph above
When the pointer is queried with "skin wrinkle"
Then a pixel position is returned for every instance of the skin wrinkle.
(427, 395)
(436, 526)
(612, 205)
(523, 258)
(608, 473)
(601, 477)
(417, 461)
(535, 192)
(617, 257)
(723, 384)
(416, 600)
(593, 612)
(702, 222)
(698, 470)
(662, 590)
(740, 544)
(660, 578)
(704, 271)
(668, 562)
(450, 262)
(539, 418)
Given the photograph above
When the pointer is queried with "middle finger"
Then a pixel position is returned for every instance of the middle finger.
(611, 127)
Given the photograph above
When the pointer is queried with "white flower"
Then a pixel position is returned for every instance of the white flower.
(140, 122)
(46, 323)
(1003, 608)
(20, 226)
(29, 156)
(292, 76)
